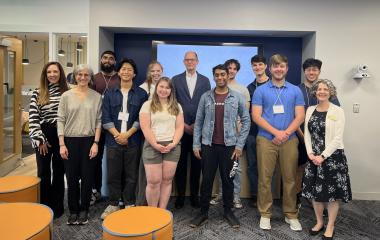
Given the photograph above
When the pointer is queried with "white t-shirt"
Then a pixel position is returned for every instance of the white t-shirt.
(161, 123)
(145, 87)
(123, 127)
(242, 90)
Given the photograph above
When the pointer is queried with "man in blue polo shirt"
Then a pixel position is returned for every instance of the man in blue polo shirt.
(278, 110)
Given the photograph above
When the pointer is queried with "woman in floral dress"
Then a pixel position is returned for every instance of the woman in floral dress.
(326, 179)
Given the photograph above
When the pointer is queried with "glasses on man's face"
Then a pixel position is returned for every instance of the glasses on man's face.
(190, 59)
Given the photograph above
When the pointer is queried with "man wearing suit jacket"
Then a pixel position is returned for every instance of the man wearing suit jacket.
(189, 87)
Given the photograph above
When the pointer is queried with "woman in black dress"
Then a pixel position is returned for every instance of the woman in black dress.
(326, 178)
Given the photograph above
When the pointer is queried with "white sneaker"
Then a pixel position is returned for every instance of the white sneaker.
(216, 200)
(265, 223)
(295, 225)
(110, 209)
(237, 203)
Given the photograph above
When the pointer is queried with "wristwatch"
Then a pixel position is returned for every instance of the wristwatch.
(96, 142)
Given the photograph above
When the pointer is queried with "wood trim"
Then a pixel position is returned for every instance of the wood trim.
(2, 53)
(16, 47)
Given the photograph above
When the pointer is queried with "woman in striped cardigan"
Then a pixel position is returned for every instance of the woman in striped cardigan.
(43, 133)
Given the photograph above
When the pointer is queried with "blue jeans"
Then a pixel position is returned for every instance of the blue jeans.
(252, 164)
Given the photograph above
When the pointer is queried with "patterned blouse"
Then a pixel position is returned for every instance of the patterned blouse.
(39, 115)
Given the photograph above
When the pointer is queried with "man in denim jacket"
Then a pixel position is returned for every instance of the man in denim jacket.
(215, 124)
(121, 107)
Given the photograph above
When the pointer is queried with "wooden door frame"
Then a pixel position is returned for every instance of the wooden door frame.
(11, 162)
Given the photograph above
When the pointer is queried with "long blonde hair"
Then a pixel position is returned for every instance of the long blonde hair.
(149, 80)
(156, 106)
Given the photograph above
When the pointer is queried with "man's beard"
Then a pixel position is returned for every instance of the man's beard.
(107, 68)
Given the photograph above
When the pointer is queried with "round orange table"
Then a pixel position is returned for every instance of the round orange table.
(30, 221)
(20, 189)
(139, 223)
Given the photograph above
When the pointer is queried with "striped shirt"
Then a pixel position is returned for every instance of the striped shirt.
(39, 115)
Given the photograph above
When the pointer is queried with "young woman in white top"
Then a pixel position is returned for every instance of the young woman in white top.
(161, 120)
(153, 74)
(326, 179)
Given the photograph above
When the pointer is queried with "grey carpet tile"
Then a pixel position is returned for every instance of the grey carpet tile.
(356, 220)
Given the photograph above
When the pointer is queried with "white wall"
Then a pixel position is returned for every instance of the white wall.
(44, 16)
(346, 35)
(38, 53)
(69, 16)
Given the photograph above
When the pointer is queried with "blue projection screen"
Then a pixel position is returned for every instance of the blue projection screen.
(171, 57)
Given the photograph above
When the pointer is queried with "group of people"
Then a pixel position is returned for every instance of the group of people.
(149, 131)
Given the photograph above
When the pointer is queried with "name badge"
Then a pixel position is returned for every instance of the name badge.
(277, 109)
(123, 116)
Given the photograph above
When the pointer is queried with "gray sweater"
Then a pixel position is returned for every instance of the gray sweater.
(79, 118)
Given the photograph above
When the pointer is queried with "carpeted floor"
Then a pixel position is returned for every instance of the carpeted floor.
(359, 220)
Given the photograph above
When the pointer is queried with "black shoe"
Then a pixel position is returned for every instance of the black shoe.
(299, 200)
(72, 219)
(58, 213)
(328, 238)
(231, 219)
(254, 202)
(179, 202)
(325, 213)
(194, 200)
(198, 220)
(83, 218)
(313, 233)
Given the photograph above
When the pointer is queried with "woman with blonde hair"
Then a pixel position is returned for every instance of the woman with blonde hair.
(153, 74)
(326, 179)
(43, 133)
(162, 123)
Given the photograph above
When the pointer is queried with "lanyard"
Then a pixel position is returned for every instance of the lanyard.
(106, 81)
(278, 93)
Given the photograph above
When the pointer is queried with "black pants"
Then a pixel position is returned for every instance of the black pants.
(79, 166)
(212, 157)
(97, 184)
(122, 170)
(181, 172)
(50, 169)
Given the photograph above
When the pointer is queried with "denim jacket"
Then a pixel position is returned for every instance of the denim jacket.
(234, 107)
(112, 105)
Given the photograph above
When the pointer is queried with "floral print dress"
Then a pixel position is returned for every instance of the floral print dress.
(330, 181)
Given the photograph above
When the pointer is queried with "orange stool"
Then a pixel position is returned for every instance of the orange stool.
(139, 223)
(20, 189)
(30, 221)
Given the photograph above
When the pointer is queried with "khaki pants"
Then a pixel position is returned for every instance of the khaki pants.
(268, 154)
